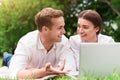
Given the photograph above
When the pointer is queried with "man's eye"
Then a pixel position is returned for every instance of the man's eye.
(60, 28)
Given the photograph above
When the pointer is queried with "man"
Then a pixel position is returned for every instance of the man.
(44, 51)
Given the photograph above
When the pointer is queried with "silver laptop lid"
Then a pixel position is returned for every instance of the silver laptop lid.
(99, 59)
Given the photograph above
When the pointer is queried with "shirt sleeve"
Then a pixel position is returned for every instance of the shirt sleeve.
(19, 60)
(75, 47)
(67, 54)
(111, 40)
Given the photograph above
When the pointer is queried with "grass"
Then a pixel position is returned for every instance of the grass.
(113, 76)
(0, 62)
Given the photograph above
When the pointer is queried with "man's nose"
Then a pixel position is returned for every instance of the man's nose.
(63, 31)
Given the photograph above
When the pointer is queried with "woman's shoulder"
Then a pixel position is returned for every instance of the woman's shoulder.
(105, 38)
(75, 39)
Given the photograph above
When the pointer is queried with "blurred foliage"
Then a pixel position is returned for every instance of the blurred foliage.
(116, 32)
(116, 3)
(17, 18)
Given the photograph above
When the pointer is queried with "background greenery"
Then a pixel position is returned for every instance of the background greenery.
(17, 17)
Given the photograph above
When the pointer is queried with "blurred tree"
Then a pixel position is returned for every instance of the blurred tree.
(116, 4)
(17, 18)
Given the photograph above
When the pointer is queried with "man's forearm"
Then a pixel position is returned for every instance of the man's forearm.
(32, 73)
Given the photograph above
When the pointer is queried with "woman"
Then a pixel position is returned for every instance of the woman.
(89, 27)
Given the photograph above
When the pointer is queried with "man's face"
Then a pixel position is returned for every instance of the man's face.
(87, 30)
(57, 29)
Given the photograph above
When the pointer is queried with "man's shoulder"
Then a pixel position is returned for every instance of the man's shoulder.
(31, 34)
(30, 37)
(64, 38)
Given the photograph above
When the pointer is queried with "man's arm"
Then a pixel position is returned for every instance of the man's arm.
(33, 73)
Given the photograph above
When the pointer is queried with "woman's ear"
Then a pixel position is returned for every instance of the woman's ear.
(97, 29)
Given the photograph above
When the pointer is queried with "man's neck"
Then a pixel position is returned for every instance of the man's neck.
(46, 43)
(47, 46)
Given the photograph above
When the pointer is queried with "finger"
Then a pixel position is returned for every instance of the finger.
(29, 67)
(67, 71)
(63, 65)
(47, 66)
(58, 71)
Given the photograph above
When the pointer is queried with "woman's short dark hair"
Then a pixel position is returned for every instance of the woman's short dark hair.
(93, 17)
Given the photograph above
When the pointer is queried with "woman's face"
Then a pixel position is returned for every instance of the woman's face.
(87, 30)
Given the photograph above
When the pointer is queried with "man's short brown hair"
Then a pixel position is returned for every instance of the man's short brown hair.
(43, 18)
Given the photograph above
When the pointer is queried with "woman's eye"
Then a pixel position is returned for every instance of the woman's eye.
(85, 27)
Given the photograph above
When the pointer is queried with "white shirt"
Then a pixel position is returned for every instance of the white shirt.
(75, 44)
(30, 52)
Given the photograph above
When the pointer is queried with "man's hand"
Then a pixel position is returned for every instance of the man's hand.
(56, 70)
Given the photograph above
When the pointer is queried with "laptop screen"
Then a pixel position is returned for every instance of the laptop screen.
(99, 59)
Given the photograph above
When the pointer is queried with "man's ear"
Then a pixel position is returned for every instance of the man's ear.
(44, 28)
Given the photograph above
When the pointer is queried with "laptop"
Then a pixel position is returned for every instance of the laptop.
(99, 59)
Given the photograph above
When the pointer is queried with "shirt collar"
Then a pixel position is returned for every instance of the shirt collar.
(41, 46)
